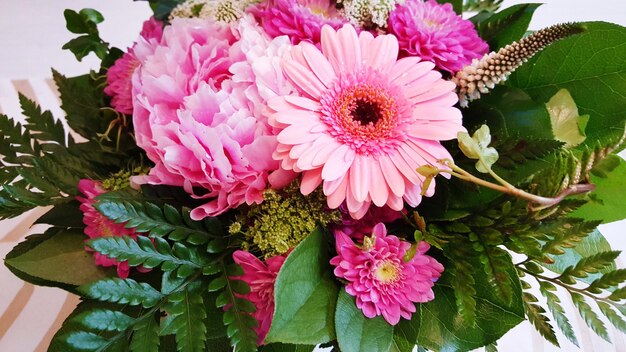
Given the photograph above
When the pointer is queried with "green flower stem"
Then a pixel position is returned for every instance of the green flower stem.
(507, 188)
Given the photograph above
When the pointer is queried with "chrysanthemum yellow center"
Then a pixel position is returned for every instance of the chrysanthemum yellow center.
(387, 272)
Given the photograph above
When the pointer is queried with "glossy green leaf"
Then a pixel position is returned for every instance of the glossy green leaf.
(567, 125)
(305, 295)
(356, 332)
(609, 199)
(507, 25)
(592, 67)
(457, 5)
(438, 326)
(58, 258)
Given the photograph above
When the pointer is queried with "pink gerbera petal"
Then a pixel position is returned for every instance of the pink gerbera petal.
(362, 110)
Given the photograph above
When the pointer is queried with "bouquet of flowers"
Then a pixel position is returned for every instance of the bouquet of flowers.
(359, 175)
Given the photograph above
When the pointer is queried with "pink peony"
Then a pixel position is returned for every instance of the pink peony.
(365, 122)
(198, 101)
(261, 278)
(97, 225)
(382, 282)
(436, 33)
(119, 82)
(301, 20)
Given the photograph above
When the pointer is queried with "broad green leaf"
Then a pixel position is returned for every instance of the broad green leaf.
(507, 25)
(567, 126)
(609, 199)
(58, 258)
(305, 295)
(356, 332)
(457, 5)
(438, 326)
(592, 67)
(404, 337)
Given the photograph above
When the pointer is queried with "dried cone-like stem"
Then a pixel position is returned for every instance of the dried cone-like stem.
(482, 75)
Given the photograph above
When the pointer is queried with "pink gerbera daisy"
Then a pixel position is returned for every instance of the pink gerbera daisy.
(261, 278)
(436, 33)
(382, 282)
(365, 120)
(97, 225)
(300, 19)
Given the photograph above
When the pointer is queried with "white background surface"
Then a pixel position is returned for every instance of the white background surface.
(33, 31)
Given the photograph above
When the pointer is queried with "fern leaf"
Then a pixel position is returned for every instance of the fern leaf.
(513, 151)
(537, 317)
(188, 313)
(615, 319)
(590, 317)
(158, 222)
(608, 280)
(41, 124)
(143, 252)
(145, 335)
(123, 291)
(494, 260)
(589, 265)
(237, 319)
(85, 341)
(568, 234)
(554, 305)
(104, 320)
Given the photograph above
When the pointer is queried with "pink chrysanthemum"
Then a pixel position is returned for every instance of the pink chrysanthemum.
(358, 229)
(119, 76)
(301, 20)
(436, 33)
(382, 282)
(97, 225)
(365, 122)
(198, 111)
(261, 278)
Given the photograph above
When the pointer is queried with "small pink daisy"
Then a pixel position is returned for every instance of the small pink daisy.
(261, 278)
(365, 121)
(382, 282)
(436, 33)
(119, 75)
(97, 225)
(301, 20)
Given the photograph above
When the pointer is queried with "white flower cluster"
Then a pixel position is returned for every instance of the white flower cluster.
(218, 10)
(369, 13)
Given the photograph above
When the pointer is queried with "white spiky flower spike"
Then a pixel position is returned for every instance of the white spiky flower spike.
(482, 75)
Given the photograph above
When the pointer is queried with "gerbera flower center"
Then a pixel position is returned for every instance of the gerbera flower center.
(388, 272)
(366, 112)
(362, 114)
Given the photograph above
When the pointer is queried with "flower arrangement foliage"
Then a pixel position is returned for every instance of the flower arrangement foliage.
(262, 175)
